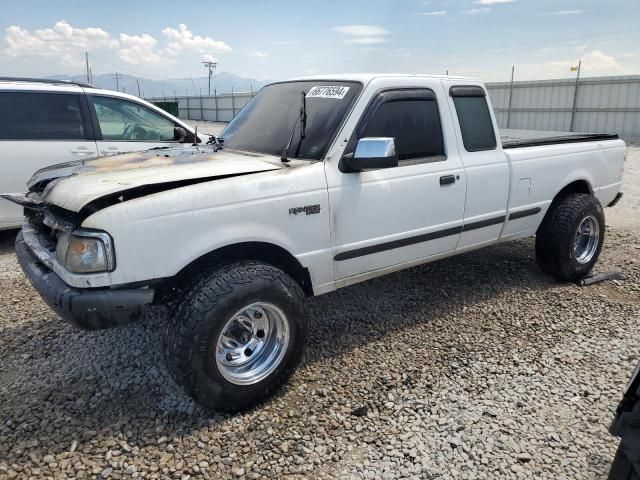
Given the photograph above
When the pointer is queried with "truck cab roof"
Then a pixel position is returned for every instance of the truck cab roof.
(367, 77)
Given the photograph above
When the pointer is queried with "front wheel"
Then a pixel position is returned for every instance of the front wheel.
(571, 236)
(237, 335)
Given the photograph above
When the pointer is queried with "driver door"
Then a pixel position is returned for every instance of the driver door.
(391, 217)
(126, 126)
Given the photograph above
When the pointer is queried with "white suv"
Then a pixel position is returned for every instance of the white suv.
(46, 122)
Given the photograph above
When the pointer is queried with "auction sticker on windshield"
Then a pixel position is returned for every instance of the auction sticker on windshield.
(328, 91)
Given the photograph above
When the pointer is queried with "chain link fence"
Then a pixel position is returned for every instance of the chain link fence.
(214, 108)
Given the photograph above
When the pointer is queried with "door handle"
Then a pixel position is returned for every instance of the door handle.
(82, 151)
(108, 150)
(447, 179)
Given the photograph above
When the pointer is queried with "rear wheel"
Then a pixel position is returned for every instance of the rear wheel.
(237, 335)
(571, 236)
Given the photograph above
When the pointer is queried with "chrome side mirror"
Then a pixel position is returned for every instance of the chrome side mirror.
(371, 153)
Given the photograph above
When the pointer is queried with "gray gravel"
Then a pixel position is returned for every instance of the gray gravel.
(477, 366)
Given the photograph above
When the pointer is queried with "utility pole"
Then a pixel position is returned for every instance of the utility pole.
(211, 66)
(117, 76)
(138, 82)
(86, 61)
(575, 98)
(513, 69)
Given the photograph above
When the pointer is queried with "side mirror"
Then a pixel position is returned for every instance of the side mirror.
(371, 153)
(179, 134)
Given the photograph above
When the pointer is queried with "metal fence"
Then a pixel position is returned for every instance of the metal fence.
(215, 108)
(597, 104)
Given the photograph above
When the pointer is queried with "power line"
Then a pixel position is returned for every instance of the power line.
(515, 48)
(126, 69)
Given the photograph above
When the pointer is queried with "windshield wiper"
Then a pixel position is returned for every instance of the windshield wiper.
(303, 127)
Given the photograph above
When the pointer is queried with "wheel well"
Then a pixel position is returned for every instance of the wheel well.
(578, 186)
(257, 251)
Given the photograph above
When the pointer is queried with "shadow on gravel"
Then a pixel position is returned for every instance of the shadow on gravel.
(7, 240)
(60, 385)
(368, 311)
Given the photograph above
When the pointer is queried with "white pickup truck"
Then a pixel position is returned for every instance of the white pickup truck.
(318, 183)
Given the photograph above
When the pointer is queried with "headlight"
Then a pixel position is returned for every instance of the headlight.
(85, 252)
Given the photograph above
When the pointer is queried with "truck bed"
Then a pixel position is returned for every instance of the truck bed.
(513, 138)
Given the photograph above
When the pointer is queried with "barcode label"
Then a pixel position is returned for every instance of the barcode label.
(328, 91)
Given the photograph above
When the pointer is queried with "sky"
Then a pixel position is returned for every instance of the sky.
(272, 39)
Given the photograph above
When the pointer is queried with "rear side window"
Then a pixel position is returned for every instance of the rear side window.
(40, 116)
(474, 117)
(413, 122)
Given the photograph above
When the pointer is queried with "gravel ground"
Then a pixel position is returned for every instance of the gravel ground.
(476, 366)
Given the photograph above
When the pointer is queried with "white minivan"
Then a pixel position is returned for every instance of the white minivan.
(47, 122)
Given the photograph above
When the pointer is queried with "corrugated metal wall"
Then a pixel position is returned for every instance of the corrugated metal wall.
(219, 108)
(603, 105)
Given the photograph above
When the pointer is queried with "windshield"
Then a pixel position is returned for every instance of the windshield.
(266, 123)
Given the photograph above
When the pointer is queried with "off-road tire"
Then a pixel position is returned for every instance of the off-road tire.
(556, 235)
(622, 468)
(199, 316)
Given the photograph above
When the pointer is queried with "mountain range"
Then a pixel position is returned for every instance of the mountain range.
(222, 82)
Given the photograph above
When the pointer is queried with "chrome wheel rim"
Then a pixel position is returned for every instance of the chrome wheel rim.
(586, 240)
(252, 344)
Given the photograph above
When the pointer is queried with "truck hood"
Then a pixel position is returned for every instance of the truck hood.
(74, 185)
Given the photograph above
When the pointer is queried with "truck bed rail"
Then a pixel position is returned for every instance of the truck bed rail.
(533, 138)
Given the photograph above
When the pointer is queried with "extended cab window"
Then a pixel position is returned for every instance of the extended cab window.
(474, 117)
(123, 120)
(412, 118)
(40, 116)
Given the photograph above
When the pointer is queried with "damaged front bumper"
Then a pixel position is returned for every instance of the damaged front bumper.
(90, 308)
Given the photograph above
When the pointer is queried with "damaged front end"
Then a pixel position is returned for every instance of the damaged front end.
(71, 266)
(106, 181)
(89, 309)
(70, 294)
